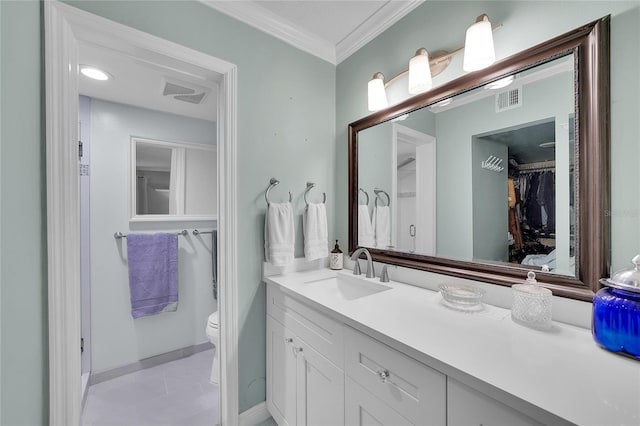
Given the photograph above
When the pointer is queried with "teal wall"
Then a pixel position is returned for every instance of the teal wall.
(23, 325)
(286, 129)
(438, 25)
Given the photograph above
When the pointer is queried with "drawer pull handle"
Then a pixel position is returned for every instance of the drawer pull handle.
(384, 375)
(288, 340)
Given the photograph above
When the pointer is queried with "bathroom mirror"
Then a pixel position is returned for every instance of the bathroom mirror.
(172, 181)
(501, 171)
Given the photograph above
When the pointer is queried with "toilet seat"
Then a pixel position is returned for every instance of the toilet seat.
(213, 320)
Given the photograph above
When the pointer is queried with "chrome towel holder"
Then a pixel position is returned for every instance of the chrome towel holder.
(196, 232)
(273, 182)
(120, 235)
(379, 191)
(310, 186)
(367, 195)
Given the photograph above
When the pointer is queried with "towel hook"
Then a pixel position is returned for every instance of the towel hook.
(273, 182)
(367, 195)
(378, 191)
(310, 185)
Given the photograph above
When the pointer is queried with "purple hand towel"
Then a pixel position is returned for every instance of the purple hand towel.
(153, 273)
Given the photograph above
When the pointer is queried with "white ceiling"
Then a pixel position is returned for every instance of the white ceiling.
(139, 80)
(331, 30)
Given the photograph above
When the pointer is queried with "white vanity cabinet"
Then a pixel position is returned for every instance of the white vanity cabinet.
(468, 407)
(321, 370)
(304, 387)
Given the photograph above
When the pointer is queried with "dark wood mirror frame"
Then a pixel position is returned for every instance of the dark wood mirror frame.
(590, 46)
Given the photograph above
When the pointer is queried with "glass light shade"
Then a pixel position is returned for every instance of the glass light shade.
(419, 73)
(478, 46)
(377, 95)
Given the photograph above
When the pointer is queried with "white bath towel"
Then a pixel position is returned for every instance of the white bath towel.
(382, 226)
(279, 234)
(365, 229)
(314, 228)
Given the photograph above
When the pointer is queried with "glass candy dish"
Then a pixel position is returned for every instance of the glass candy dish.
(462, 297)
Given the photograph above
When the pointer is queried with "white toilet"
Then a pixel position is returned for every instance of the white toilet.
(213, 334)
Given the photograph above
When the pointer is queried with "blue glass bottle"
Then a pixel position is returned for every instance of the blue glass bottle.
(616, 312)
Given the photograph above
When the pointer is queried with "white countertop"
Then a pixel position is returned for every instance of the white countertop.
(562, 370)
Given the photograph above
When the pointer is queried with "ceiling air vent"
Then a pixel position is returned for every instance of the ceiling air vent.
(184, 92)
(509, 99)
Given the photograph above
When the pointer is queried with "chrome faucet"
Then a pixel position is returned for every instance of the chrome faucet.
(356, 270)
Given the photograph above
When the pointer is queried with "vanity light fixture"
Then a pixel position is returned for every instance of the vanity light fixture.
(479, 53)
(94, 73)
(420, 72)
(377, 94)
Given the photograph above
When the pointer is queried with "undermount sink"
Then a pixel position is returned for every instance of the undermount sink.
(346, 287)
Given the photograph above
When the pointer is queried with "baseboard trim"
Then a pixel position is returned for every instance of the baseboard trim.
(254, 415)
(153, 361)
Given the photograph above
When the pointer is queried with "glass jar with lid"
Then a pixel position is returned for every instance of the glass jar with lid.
(616, 312)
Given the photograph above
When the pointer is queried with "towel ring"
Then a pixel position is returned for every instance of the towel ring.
(367, 195)
(310, 185)
(377, 192)
(273, 182)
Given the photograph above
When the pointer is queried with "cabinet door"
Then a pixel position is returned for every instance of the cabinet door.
(281, 373)
(467, 407)
(364, 409)
(320, 388)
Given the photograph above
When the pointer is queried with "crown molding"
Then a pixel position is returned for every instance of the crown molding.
(264, 20)
(274, 25)
(382, 19)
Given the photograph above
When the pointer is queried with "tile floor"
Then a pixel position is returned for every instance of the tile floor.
(171, 394)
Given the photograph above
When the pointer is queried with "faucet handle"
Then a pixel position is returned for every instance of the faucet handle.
(384, 275)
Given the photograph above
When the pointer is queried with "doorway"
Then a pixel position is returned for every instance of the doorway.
(413, 190)
(68, 29)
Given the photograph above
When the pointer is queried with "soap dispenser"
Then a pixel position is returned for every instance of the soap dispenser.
(531, 304)
(336, 258)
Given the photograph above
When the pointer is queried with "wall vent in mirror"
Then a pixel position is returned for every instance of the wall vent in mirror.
(172, 181)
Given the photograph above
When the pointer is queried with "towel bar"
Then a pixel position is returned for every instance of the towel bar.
(119, 235)
(196, 232)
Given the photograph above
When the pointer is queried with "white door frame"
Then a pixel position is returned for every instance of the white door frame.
(65, 26)
(425, 185)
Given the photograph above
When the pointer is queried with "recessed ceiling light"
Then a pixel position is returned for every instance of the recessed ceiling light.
(94, 73)
(499, 84)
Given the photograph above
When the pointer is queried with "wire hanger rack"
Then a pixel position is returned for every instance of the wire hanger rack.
(493, 163)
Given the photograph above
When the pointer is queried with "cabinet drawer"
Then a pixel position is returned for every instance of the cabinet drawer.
(468, 407)
(319, 331)
(362, 408)
(410, 388)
